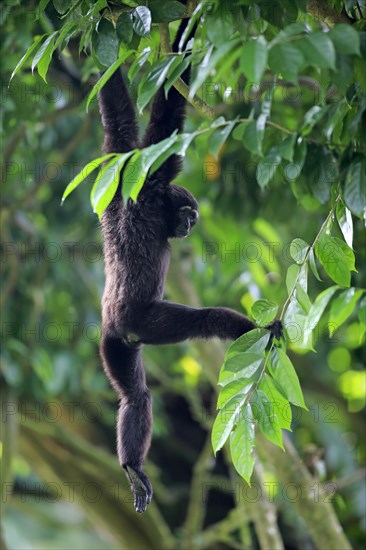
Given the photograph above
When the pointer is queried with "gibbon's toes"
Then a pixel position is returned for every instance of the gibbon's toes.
(276, 329)
(140, 487)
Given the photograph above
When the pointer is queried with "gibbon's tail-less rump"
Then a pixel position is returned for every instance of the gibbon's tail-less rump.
(136, 252)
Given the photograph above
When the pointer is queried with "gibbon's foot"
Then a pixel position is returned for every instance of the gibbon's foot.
(141, 488)
(187, 218)
(276, 329)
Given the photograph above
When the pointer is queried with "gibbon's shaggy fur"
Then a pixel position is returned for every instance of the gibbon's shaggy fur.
(136, 252)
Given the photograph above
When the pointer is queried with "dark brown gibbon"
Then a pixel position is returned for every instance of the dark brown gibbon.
(136, 249)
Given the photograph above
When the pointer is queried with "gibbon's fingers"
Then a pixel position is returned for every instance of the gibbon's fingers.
(276, 329)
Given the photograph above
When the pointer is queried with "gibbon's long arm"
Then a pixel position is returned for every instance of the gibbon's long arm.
(167, 115)
(118, 116)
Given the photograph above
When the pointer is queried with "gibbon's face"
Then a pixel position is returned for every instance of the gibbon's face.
(184, 210)
(187, 219)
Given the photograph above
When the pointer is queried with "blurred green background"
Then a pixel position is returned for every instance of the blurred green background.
(61, 483)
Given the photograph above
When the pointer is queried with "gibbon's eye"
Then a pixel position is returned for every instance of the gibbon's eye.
(194, 217)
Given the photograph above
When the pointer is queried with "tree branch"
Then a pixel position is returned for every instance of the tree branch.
(323, 12)
(265, 515)
(312, 506)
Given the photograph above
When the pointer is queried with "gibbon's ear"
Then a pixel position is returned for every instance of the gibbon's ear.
(118, 116)
(168, 115)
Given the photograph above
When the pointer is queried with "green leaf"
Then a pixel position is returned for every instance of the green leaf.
(287, 60)
(44, 53)
(98, 6)
(27, 54)
(303, 298)
(163, 11)
(210, 63)
(179, 148)
(43, 64)
(106, 76)
(138, 63)
(225, 421)
(152, 81)
(242, 444)
(138, 167)
(267, 420)
(267, 167)
(124, 27)
(254, 341)
(345, 39)
(354, 193)
(344, 218)
(298, 274)
(318, 50)
(335, 114)
(317, 309)
(299, 250)
(264, 311)
(293, 170)
(292, 273)
(343, 76)
(239, 130)
(362, 311)
(218, 138)
(291, 30)
(359, 68)
(85, 39)
(311, 118)
(42, 5)
(294, 323)
(254, 59)
(342, 307)
(68, 30)
(284, 373)
(236, 388)
(240, 365)
(253, 135)
(105, 43)
(88, 169)
(281, 406)
(337, 259)
(325, 174)
(141, 21)
(286, 148)
(62, 6)
(220, 25)
(313, 266)
(106, 183)
(178, 69)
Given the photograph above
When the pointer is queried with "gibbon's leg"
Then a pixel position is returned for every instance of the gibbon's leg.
(124, 367)
(166, 323)
(118, 116)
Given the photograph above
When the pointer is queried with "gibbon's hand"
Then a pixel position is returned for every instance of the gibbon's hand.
(276, 329)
